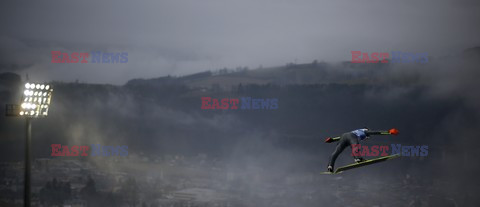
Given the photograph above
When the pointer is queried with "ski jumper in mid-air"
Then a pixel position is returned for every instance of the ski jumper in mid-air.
(352, 139)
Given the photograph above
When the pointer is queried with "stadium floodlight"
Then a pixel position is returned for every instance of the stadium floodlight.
(36, 100)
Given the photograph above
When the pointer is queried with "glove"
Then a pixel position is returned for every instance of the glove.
(393, 131)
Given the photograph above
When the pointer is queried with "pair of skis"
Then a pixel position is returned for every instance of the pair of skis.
(361, 164)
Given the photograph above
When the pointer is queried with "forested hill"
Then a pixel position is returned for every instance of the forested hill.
(430, 103)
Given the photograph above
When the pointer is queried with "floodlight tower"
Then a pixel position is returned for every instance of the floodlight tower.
(35, 102)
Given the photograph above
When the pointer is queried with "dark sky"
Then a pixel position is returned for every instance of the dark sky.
(179, 37)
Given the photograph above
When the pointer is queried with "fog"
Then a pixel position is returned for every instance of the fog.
(274, 157)
(297, 52)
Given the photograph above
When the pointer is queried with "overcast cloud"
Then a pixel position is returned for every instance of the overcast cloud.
(186, 36)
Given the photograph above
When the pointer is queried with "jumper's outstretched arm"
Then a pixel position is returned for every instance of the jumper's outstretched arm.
(389, 132)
